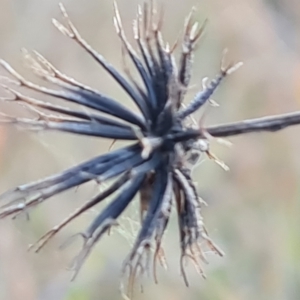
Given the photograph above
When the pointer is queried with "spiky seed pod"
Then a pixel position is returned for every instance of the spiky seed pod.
(166, 141)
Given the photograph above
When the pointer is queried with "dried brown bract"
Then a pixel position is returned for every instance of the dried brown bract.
(166, 141)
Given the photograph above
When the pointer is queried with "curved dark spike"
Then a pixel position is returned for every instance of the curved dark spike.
(271, 124)
(89, 243)
(164, 66)
(165, 72)
(186, 172)
(72, 33)
(107, 218)
(116, 167)
(140, 251)
(19, 97)
(151, 70)
(140, 40)
(109, 106)
(154, 66)
(90, 167)
(83, 97)
(183, 229)
(41, 195)
(138, 64)
(161, 181)
(77, 127)
(117, 206)
(202, 97)
(173, 86)
(187, 226)
(159, 43)
(193, 219)
(165, 211)
(40, 116)
(190, 40)
(95, 200)
(161, 225)
(190, 197)
(47, 71)
(44, 69)
(162, 53)
(131, 78)
(185, 60)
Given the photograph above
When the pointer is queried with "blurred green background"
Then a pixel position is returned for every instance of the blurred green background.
(254, 210)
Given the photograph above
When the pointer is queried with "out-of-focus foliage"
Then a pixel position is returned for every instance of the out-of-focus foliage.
(253, 210)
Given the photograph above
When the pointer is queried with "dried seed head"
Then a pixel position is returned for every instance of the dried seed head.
(164, 146)
(166, 141)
